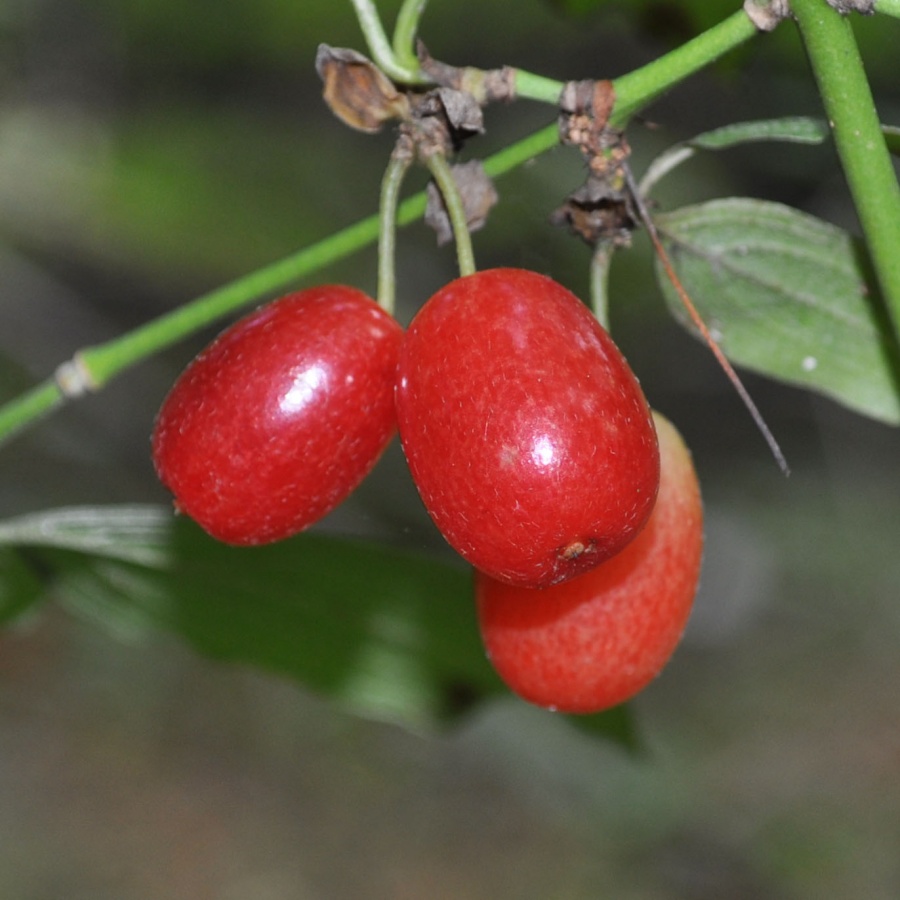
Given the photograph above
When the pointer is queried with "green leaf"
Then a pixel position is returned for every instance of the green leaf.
(20, 588)
(387, 633)
(616, 724)
(137, 533)
(790, 129)
(785, 294)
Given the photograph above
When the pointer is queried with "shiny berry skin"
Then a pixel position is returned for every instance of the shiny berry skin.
(282, 416)
(527, 435)
(596, 641)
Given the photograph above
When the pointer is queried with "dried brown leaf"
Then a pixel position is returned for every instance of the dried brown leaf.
(357, 91)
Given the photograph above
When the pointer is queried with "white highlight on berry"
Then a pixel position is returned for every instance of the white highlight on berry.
(542, 452)
(306, 383)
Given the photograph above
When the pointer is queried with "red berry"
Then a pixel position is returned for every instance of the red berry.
(282, 416)
(526, 433)
(593, 642)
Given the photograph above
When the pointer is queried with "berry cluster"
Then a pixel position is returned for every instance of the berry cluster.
(526, 433)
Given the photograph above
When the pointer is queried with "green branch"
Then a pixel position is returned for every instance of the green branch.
(636, 89)
(95, 366)
(854, 122)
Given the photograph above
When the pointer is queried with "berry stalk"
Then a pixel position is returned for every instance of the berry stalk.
(443, 176)
(391, 183)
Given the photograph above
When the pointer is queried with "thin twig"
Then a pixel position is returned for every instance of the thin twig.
(701, 326)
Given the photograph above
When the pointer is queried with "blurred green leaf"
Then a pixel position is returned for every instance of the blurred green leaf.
(785, 294)
(137, 533)
(616, 724)
(186, 190)
(388, 633)
(20, 588)
(207, 192)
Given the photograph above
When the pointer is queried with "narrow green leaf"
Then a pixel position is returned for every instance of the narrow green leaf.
(790, 129)
(138, 533)
(785, 294)
(20, 588)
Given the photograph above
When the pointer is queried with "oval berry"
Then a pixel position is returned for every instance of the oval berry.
(594, 642)
(282, 416)
(526, 433)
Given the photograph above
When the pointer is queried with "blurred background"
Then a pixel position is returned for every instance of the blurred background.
(151, 150)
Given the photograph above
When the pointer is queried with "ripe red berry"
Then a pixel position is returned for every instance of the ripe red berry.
(594, 642)
(526, 433)
(282, 416)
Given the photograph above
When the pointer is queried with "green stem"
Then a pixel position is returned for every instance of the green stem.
(387, 232)
(853, 118)
(443, 176)
(105, 361)
(537, 87)
(600, 263)
(29, 407)
(636, 89)
(405, 31)
(522, 151)
(380, 48)
(633, 91)
(663, 164)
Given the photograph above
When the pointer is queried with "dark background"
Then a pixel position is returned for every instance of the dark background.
(150, 151)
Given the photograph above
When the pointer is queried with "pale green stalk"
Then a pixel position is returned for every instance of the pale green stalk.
(387, 233)
(406, 30)
(379, 46)
(443, 177)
